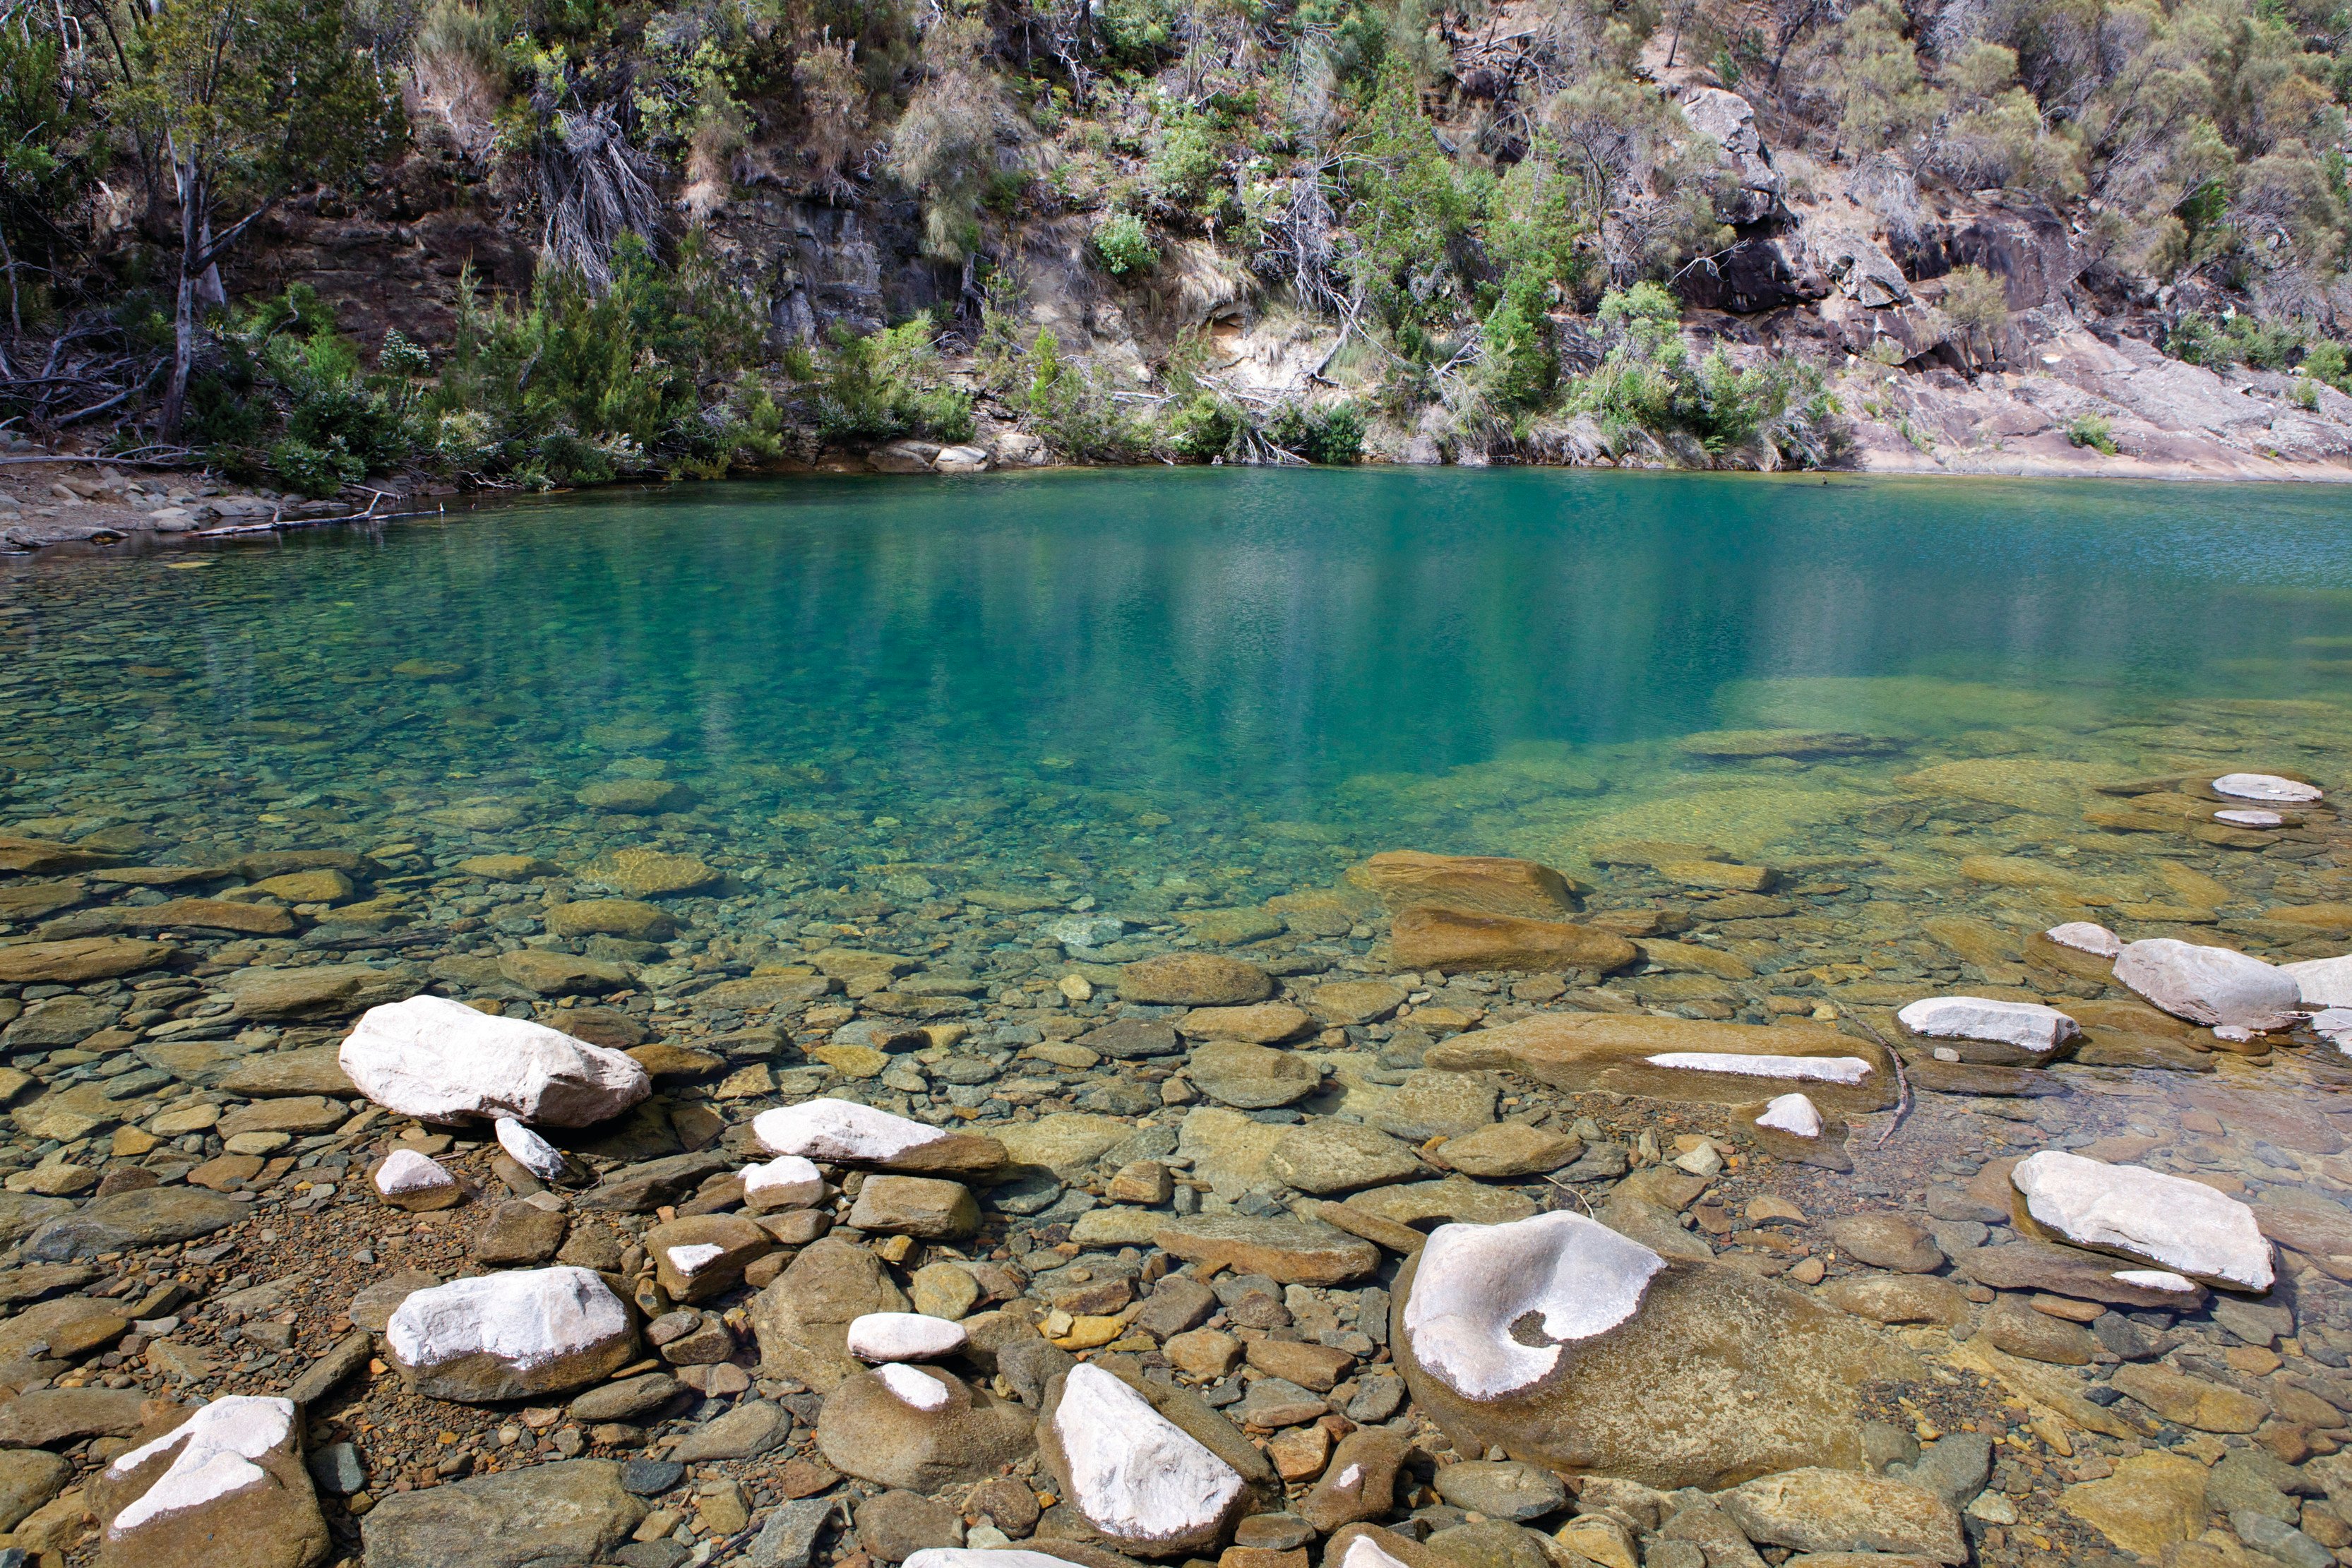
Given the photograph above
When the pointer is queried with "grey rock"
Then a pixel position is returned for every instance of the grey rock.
(651, 1477)
(627, 1399)
(659, 1552)
(1504, 1489)
(1033, 1192)
(789, 1538)
(1129, 1039)
(1377, 1400)
(28, 1478)
(146, 1216)
(2237, 1486)
(744, 1432)
(1953, 1467)
(575, 1510)
(1029, 1365)
(336, 1469)
(2282, 1541)
(1176, 1304)
(642, 1188)
(322, 1376)
(897, 1524)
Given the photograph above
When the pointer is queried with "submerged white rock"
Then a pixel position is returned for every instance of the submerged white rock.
(1475, 1280)
(1792, 1114)
(975, 1557)
(2158, 1279)
(217, 1447)
(2246, 816)
(441, 1060)
(2209, 985)
(2266, 787)
(904, 1337)
(2334, 1027)
(2167, 1221)
(405, 1171)
(922, 1393)
(2323, 982)
(2029, 1026)
(787, 1181)
(840, 1130)
(1133, 1473)
(529, 1150)
(2086, 936)
(1820, 1069)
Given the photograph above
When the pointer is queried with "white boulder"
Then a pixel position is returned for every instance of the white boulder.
(2027, 1026)
(1365, 1553)
(1476, 1282)
(2323, 982)
(2158, 1279)
(2167, 1221)
(529, 1150)
(2248, 817)
(1792, 1114)
(406, 1173)
(2334, 1025)
(787, 1181)
(512, 1334)
(922, 1392)
(904, 1337)
(1818, 1069)
(2267, 787)
(2086, 936)
(841, 1130)
(1133, 1473)
(440, 1060)
(692, 1258)
(2209, 985)
(217, 1447)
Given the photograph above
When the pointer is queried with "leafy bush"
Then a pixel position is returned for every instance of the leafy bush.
(2328, 360)
(1202, 427)
(1333, 433)
(2218, 342)
(284, 372)
(1647, 382)
(1073, 415)
(887, 385)
(2094, 431)
(1124, 246)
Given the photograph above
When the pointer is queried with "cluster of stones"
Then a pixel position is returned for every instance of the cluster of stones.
(1466, 1299)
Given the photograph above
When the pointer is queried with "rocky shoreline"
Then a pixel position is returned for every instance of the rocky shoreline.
(887, 1244)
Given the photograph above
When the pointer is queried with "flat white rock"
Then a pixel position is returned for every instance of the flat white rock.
(904, 1337)
(405, 1171)
(2158, 1279)
(2029, 1026)
(1133, 1473)
(1792, 1114)
(524, 1317)
(217, 1447)
(2323, 982)
(1365, 1553)
(840, 1130)
(1477, 1281)
(695, 1257)
(441, 1060)
(1819, 1069)
(2246, 816)
(2335, 1026)
(922, 1393)
(787, 1181)
(2086, 936)
(529, 1150)
(2265, 787)
(2209, 985)
(2167, 1221)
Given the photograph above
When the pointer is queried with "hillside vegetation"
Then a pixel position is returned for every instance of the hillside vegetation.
(1593, 229)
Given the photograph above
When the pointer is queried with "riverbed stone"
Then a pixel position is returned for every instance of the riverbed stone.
(78, 960)
(627, 917)
(511, 1335)
(652, 874)
(1145, 1482)
(1819, 1509)
(696, 1257)
(1457, 941)
(575, 1510)
(1509, 1150)
(802, 1318)
(2153, 1501)
(1990, 1030)
(1287, 1249)
(921, 1207)
(1328, 1157)
(1886, 1241)
(316, 991)
(442, 1060)
(224, 1487)
(2209, 985)
(2167, 1221)
(1490, 884)
(1252, 1077)
(1717, 1063)
(922, 1428)
(1194, 980)
(146, 1216)
(1259, 1023)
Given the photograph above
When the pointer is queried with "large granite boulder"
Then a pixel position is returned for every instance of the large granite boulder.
(2209, 985)
(1669, 1371)
(1729, 121)
(441, 1060)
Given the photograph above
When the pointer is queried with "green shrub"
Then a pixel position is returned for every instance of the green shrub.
(316, 471)
(1073, 416)
(2328, 360)
(887, 385)
(2094, 431)
(1202, 427)
(1516, 367)
(1124, 245)
(287, 396)
(1333, 433)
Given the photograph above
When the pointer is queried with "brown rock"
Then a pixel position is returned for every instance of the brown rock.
(520, 1234)
(50, 1416)
(802, 1317)
(1343, 1002)
(273, 1522)
(71, 1326)
(627, 917)
(1195, 979)
(1260, 1023)
(1897, 1297)
(1583, 1053)
(1203, 1353)
(916, 1206)
(2067, 1271)
(738, 1241)
(2190, 1401)
(1286, 1249)
(554, 974)
(210, 915)
(1506, 1149)
(296, 1113)
(2019, 1330)
(313, 1071)
(1316, 1366)
(80, 959)
(1484, 885)
(866, 1430)
(1428, 937)
(1360, 1482)
(1886, 1241)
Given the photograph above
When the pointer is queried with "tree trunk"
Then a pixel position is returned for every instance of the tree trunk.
(193, 226)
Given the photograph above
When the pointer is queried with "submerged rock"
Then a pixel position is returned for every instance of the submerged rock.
(2169, 1221)
(1139, 1479)
(1676, 1059)
(1457, 941)
(2267, 787)
(845, 1132)
(920, 1427)
(2003, 1033)
(2209, 985)
(1485, 884)
(442, 1062)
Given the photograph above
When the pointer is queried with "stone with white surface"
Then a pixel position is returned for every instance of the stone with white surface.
(788, 1181)
(529, 1150)
(904, 1337)
(1794, 1115)
(1812, 1069)
(511, 1335)
(704, 1255)
(440, 1060)
(845, 1131)
(921, 1428)
(2003, 1033)
(2250, 816)
(1478, 1280)
(408, 1180)
(2266, 787)
(2334, 1025)
(1138, 1479)
(2169, 1221)
(973, 1557)
(225, 1488)
(2209, 985)
(2323, 982)
(2086, 936)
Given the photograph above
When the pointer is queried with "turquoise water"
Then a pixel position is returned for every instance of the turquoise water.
(1476, 659)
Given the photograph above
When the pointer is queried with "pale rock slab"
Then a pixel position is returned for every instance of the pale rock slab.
(510, 1335)
(529, 1150)
(1133, 1474)
(2024, 1027)
(2247, 817)
(1819, 1069)
(2335, 1026)
(1794, 1115)
(788, 1181)
(904, 1337)
(2209, 985)
(2323, 982)
(407, 1179)
(2086, 936)
(2266, 787)
(441, 1060)
(2176, 1223)
(972, 1557)
(1477, 1281)
(914, 1388)
(841, 1130)
(226, 1486)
